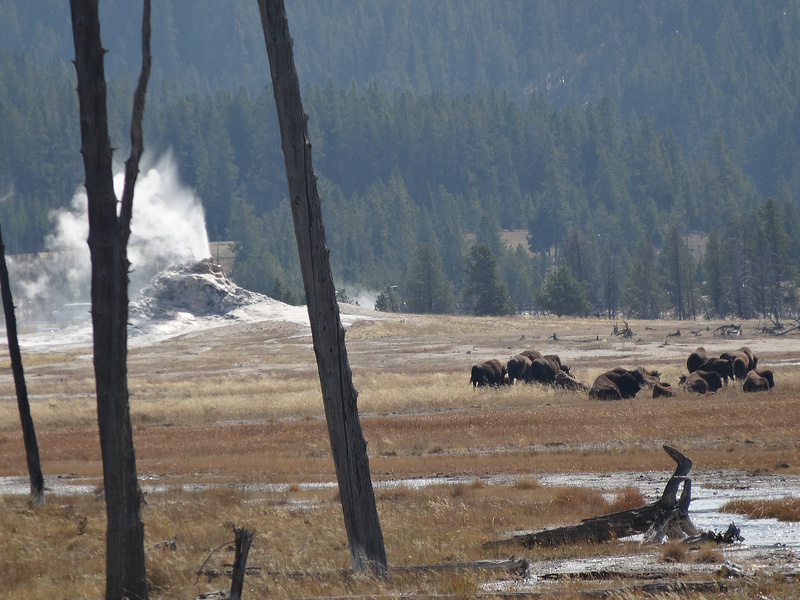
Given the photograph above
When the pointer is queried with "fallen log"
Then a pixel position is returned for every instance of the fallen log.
(667, 517)
(728, 330)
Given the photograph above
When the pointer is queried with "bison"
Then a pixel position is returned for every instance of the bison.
(565, 380)
(617, 384)
(517, 368)
(650, 378)
(696, 358)
(743, 361)
(702, 382)
(758, 381)
(545, 369)
(531, 354)
(722, 366)
(490, 372)
(663, 390)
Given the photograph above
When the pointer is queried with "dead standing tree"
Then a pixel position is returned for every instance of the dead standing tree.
(108, 242)
(28, 430)
(348, 446)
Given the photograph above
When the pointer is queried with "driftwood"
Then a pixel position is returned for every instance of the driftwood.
(779, 328)
(728, 330)
(626, 332)
(668, 517)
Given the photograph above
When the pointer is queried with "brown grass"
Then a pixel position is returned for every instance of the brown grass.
(783, 509)
(242, 405)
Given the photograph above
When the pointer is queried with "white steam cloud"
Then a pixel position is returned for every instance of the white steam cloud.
(167, 228)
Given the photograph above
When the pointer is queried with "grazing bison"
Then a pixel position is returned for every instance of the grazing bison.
(702, 382)
(758, 381)
(565, 380)
(722, 366)
(617, 384)
(663, 390)
(696, 358)
(545, 369)
(490, 372)
(517, 368)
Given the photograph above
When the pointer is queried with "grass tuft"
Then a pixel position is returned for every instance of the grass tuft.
(783, 509)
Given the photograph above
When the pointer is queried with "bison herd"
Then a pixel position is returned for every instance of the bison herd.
(707, 374)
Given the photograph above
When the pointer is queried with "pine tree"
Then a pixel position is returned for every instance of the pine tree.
(678, 272)
(715, 269)
(774, 258)
(482, 283)
(428, 290)
(642, 287)
(562, 294)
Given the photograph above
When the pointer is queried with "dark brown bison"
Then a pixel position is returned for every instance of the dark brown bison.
(517, 367)
(617, 384)
(758, 381)
(743, 361)
(702, 382)
(531, 354)
(490, 372)
(650, 378)
(696, 358)
(663, 390)
(545, 369)
(565, 380)
(722, 366)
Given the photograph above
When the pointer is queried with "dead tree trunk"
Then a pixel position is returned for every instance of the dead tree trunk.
(108, 240)
(243, 541)
(28, 430)
(668, 516)
(348, 445)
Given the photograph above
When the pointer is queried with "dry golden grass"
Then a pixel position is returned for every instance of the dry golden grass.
(783, 509)
(242, 405)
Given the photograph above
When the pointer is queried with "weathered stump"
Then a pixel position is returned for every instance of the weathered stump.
(243, 541)
(667, 517)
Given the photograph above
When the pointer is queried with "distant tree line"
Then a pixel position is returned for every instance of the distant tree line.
(630, 211)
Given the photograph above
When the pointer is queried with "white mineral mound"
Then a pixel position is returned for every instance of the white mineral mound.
(198, 296)
(200, 289)
(188, 298)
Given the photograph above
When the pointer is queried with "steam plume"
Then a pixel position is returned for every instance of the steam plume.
(167, 228)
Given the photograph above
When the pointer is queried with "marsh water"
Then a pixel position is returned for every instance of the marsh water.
(711, 489)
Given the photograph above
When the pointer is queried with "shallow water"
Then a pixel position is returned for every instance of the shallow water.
(710, 490)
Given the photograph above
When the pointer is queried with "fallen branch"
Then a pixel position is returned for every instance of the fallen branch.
(627, 332)
(514, 565)
(668, 517)
(728, 330)
(171, 544)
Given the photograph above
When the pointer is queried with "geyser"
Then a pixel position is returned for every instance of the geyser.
(167, 228)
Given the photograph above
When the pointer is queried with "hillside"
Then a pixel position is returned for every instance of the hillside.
(602, 131)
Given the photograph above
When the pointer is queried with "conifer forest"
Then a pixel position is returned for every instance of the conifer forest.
(607, 158)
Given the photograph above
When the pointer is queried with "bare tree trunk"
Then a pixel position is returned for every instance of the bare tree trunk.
(348, 445)
(108, 239)
(243, 540)
(28, 431)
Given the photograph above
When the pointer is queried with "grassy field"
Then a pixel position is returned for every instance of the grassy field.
(241, 405)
